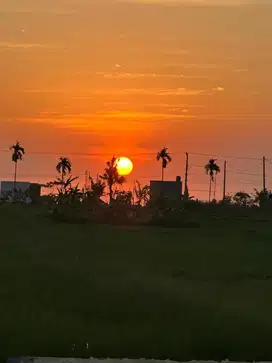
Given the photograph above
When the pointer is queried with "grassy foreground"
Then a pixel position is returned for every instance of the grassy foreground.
(203, 293)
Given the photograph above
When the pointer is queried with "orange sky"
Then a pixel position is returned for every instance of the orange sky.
(130, 77)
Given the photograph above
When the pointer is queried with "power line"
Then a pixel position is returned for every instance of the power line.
(226, 156)
(233, 171)
(76, 174)
(242, 173)
(72, 153)
(45, 153)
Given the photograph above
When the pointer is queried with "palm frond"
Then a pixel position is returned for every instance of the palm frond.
(120, 180)
(18, 152)
(137, 189)
(212, 168)
(104, 176)
(71, 179)
(165, 156)
(207, 168)
(64, 166)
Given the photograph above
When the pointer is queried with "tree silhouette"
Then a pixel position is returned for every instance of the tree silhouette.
(123, 197)
(262, 197)
(212, 169)
(165, 158)
(64, 167)
(17, 155)
(112, 177)
(63, 186)
(243, 199)
(97, 189)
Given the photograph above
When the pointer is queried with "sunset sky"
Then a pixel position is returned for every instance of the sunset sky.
(128, 77)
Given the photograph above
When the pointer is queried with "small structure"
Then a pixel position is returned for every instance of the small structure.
(172, 190)
(24, 191)
(7, 187)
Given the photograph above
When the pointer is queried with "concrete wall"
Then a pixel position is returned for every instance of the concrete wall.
(7, 187)
(33, 190)
(169, 189)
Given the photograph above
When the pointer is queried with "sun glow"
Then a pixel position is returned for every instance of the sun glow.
(124, 166)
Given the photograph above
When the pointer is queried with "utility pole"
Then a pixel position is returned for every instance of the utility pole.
(186, 192)
(89, 179)
(264, 174)
(85, 180)
(225, 180)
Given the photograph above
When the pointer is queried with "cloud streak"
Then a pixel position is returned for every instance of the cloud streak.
(219, 89)
(142, 115)
(12, 45)
(195, 2)
(84, 94)
(129, 75)
(152, 91)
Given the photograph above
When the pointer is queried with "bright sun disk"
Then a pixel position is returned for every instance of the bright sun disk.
(124, 166)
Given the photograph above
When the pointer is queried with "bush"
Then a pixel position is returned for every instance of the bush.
(173, 219)
(65, 213)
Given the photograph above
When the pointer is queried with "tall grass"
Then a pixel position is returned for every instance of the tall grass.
(183, 294)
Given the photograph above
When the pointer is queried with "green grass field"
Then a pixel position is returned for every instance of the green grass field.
(203, 293)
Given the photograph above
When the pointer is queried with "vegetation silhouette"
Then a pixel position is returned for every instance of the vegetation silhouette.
(97, 189)
(212, 169)
(142, 193)
(68, 202)
(64, 167)
(123, 197)
(262, 198)
(165, 159)
(243, 199)
(17, 155)
(112, 177)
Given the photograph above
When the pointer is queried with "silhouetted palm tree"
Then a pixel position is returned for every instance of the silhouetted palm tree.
(17, 154)
(64, 167)
(112, 177)
(165, 158)
(212, 169)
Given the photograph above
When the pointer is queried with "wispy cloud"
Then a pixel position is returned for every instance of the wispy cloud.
(142, 115)
(85, 94)
(177, 52)
(200, 65)
(194, 2)
(241, 70)
(112, 120)
(12, 45)
(130, 75)
(152, 91)
(219, 89)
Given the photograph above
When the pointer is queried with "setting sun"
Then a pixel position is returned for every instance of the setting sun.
(124, 166)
